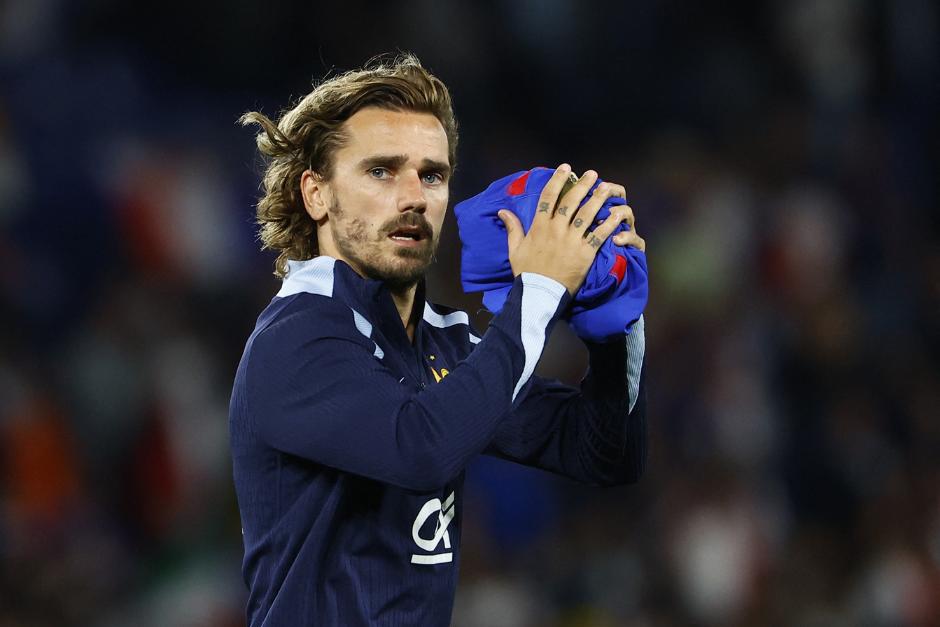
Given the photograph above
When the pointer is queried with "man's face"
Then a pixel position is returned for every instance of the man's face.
(387, 196)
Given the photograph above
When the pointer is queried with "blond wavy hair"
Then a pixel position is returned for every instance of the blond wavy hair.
(307, 136)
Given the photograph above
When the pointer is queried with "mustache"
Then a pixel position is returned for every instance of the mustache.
(410, 220)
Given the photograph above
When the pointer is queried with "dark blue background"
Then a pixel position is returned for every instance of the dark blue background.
(781, 158)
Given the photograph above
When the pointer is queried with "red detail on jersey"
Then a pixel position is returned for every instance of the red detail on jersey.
(620, 268)
(518, 185)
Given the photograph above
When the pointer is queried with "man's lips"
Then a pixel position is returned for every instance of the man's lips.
(409, 234)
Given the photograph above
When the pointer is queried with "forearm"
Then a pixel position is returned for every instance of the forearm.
(595, 434)
(612, 439)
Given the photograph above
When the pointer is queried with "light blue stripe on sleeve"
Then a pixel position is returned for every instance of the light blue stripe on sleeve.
(636, 347)
(540, 298)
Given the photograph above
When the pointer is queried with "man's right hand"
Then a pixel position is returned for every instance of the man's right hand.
(559, 244)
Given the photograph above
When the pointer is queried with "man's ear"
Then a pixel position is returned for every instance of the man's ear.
(316, 194)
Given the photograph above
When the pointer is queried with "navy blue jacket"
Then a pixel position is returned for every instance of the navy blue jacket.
(349, 442)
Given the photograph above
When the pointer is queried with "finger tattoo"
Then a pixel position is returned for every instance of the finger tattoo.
(543, 207)
(562, 211)
(578, 222)
(594, 242)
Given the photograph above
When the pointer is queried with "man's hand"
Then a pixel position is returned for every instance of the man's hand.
(559, 244)
(631, 237)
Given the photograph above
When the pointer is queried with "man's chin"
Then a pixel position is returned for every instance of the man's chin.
(406, 270)
(424, 251)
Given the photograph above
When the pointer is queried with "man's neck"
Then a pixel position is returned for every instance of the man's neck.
(404, 299)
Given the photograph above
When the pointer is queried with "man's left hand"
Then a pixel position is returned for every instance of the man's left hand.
(631, 237)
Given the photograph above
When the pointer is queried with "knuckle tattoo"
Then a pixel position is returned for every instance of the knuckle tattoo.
(578, 222)
(594, 242)
(543, 207)
(563, 211)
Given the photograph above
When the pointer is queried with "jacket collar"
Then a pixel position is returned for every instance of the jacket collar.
(372, 299)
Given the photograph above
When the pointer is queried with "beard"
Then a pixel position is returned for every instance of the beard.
(400, 268)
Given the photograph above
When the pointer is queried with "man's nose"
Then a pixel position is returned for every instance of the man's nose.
(411, 193)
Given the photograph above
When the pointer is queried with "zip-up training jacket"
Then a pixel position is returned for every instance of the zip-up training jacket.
(349, 442)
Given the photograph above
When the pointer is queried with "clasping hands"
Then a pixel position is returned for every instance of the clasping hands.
(559, 243)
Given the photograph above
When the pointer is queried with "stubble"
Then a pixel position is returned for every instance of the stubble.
(400, 267)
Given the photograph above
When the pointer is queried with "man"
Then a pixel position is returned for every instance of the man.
(348, 453)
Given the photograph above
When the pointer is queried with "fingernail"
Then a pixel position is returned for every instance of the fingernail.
(564, 167)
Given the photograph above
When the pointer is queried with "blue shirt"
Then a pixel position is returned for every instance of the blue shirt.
(349, 442)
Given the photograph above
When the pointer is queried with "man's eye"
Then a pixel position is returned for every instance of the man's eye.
(433, 178)
(378, 173)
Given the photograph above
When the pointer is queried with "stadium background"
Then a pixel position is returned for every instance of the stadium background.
(782, 161)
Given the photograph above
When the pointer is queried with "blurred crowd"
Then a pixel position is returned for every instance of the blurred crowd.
(781, 158)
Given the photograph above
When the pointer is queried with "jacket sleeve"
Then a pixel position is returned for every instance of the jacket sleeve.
(595, 434)
(317, 388)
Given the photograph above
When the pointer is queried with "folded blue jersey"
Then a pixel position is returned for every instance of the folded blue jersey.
(615, 290)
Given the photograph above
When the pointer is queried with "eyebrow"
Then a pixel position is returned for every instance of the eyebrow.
(397, 161)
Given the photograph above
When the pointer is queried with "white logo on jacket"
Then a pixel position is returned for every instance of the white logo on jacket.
(445, 514)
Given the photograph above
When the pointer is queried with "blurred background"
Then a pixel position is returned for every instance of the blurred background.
(781, 157)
